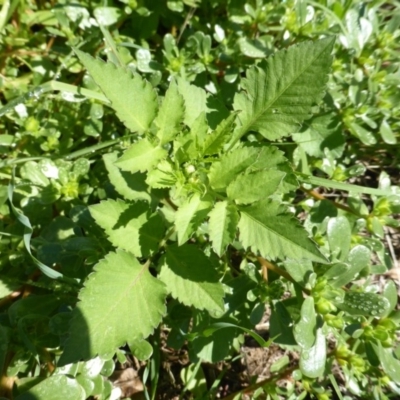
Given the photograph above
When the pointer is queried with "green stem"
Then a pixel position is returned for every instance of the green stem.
(50, 87)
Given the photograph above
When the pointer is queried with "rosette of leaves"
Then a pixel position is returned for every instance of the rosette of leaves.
(189, 189)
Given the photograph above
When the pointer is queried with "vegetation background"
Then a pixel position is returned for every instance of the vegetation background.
(59, 140)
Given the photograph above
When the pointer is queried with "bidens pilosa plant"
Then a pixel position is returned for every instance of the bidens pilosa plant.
(192, 194)
(201, 235)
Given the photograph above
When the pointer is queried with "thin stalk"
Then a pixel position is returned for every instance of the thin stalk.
(50, 87)
(319, 196)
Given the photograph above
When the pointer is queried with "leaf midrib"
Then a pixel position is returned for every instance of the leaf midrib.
(123, 295)
(276, 233)
(121, 105)
(256, 116)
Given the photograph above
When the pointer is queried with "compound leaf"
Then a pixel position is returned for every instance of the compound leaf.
(222, 225)
(191, 278)
(121, 302)
(265, 227)
(133, 99)
(275, 99)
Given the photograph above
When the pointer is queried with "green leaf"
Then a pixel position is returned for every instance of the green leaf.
(170, 115)
(33, 173)
(390, 365)
(304, 331)
(390, 293)
(162, 176)
(276, 98)
(299, 270)
(361, 303)
(190, 215)
(121, 302)
(268, 157)
(387, 134)
(358, 259)
(339, 237)
(324, 131)
(214, 142)
(281, 325)
(129, 225)
(267, 228)
(131, 186)
(248, 188)
(141, 349)
(7, 286)
(141, 156)
(222, 225)
(312, 360)
(233, 163)
(214, 347)
(195, 100)
(56, 387)
(133, 99)
(44, 304)
(192, 279)
(198, 132)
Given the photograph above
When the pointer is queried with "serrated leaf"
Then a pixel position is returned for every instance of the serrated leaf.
(7, 286)
(171, 113)
(162, 176)
(121, 302)
(131, 186)
(276, 98)
(133, 99)
(248, 188)
(190, 215)
(312, 360)
(141, 156)
(129, 225)
(214, 142)
(198, 131)
(195, 100)
(191, 278)
(267, 228)
(222, 225)
(268, 157)
(233, 163)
